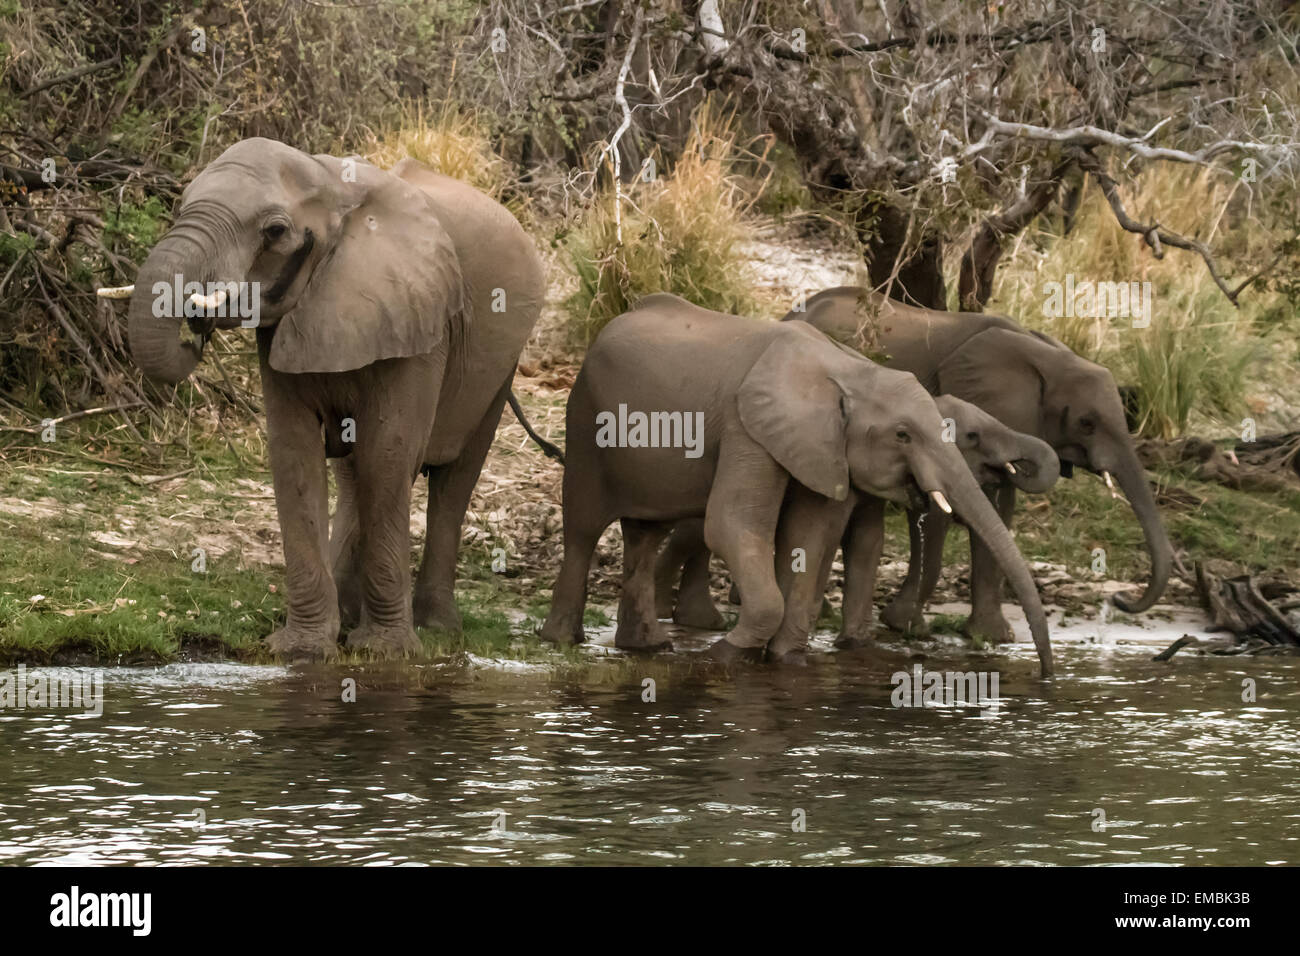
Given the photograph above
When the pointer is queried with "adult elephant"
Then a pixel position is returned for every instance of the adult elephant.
(1028, 381)
(775, 424)
(390, 309)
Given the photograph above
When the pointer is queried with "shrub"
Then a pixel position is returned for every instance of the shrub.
(680, 235)
(452, 141)
(1192, 361)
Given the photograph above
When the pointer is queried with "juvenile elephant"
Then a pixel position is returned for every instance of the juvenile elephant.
(992, 452)
(390, 310)
(1028, 381)
(766, 403)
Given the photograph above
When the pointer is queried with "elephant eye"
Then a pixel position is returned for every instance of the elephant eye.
(1088, 425)
(902, 436)
(274, 231)
(972, 436)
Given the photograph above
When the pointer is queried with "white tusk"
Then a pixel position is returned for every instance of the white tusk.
(941, 501)
(1011, 468)
(1111, 485)
(121, 292)
(209, 301)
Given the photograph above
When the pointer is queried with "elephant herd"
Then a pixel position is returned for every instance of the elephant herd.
(390, 308)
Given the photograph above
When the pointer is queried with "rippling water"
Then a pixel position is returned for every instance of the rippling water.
(420, 768)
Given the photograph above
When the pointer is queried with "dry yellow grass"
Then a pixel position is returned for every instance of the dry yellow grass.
(451, 140)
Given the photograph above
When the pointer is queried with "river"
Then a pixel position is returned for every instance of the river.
(513, 763)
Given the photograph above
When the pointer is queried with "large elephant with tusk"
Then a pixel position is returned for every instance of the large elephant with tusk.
(1028, 381)
(390, 308)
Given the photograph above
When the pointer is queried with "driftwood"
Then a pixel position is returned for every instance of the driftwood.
(1270, 463)
(1237, 604)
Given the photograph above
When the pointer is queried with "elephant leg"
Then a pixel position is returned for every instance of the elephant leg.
(297, 453)
(926, 531)
(667, 567)
(863, 543)
(389, 450)
(638, 626)
(740, 526)
(585, 519)
(450, 488)
(694, 606)
(986, 621)
(812, 524)
(345, 543)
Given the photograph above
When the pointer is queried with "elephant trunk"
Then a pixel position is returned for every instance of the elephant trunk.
(155, 319)
(155, 332)
(970, 502)
(1037, 468)
(1133, 482)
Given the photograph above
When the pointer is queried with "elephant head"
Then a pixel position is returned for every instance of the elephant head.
(832, 418)
(344, 263)
(996, 453)
(1043, 387)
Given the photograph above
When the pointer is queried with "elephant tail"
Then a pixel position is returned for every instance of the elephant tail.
(550, 450)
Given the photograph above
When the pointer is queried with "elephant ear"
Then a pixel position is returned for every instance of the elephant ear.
(390, 286)
(791, 404)
(999, 371)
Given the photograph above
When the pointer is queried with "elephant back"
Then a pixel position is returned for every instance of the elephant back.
(506, 283)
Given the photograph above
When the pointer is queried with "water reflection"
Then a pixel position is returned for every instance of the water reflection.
(236, 764)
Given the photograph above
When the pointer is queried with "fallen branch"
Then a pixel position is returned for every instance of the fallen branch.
(80, 71)
(1236, 605)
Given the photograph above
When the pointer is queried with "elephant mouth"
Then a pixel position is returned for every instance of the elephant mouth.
(917, 499)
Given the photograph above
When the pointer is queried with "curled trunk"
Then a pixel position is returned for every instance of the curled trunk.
(155, 341)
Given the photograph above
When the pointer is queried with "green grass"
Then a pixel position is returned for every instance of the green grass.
(117, 611)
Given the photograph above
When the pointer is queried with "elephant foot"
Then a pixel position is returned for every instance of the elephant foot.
(905, 617)
(847, 641)
(990, 627)
(699, 614)
(797, 657)
(386, 641)
(557, 631)
(439, 615)
(641, 636)
(725, 652)
(295, 644)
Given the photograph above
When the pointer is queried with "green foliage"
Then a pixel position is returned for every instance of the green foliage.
(137, 226)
